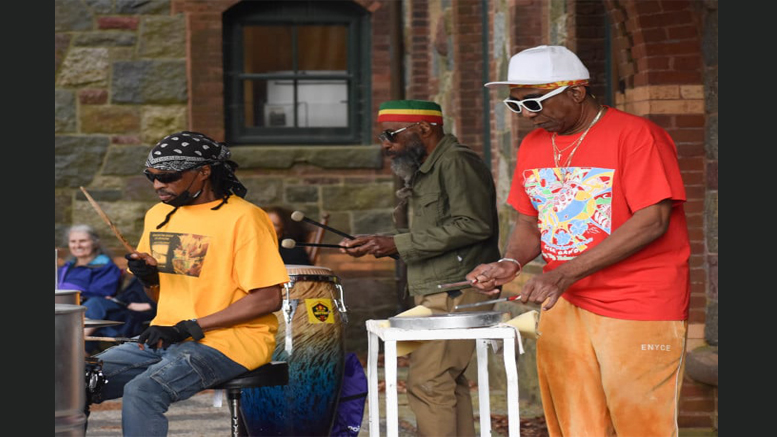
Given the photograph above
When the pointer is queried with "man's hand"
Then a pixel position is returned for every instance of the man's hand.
(164, 336)
(486, 278)
(547, 287)
(144, 267)
(376, 245)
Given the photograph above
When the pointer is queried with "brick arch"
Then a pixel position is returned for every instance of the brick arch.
(660, 75)
(665, 42)
(657, 46)
(657, 56)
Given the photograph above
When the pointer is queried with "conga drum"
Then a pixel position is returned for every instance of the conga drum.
(310, 338)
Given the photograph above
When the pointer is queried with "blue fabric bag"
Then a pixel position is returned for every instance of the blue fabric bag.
(353, 394)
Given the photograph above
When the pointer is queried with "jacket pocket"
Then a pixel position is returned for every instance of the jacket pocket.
(427, 211)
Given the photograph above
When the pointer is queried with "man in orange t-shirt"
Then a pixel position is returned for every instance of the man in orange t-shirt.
(211, 261)
(599, 195)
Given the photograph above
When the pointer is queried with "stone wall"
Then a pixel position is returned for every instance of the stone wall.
(127, 73)
(120, 85)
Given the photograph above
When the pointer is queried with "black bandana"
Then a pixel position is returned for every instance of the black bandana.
(186, 150)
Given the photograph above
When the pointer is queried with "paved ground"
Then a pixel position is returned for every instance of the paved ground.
(198, 417)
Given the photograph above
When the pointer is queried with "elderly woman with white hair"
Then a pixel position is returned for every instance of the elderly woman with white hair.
(88, 269)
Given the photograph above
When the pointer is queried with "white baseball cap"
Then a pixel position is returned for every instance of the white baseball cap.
(544, 65)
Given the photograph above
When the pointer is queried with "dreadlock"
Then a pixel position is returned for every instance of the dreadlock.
(222, 179)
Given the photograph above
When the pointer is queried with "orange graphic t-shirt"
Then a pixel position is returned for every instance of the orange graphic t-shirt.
(208, 259)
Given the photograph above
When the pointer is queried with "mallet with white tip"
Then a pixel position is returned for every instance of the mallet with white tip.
(298, 216)
(288, 243)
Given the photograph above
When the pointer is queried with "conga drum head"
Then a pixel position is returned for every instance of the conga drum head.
(314, 332)
(295, 270)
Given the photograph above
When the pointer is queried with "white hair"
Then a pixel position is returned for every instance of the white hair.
(90, 231)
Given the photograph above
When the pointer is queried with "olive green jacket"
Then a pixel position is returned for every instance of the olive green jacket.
(452, 218)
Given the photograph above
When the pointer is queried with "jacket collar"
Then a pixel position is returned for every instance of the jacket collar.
(447, 142)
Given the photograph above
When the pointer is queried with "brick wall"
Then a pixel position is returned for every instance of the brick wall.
(418, 35)
(657, 73)
(467, 92)
(659, 69)
(205, 71)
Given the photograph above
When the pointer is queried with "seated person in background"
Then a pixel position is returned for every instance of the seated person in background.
(131, 305)
(285, 227)
(89, 269)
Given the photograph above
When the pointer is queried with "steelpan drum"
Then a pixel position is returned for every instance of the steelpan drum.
(310, 338)
(72, 297)
(69, 385)
(468, 319)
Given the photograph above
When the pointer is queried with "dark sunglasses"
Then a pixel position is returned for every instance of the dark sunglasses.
(164, 178)
(391, 136)
(531, 105)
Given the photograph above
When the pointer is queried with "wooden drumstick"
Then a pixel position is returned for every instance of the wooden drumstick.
(108, 221)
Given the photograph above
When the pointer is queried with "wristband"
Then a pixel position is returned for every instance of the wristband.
(194, 328)
(520, 268)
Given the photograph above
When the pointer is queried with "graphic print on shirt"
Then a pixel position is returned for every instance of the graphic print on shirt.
(181, 254)
(573, 205)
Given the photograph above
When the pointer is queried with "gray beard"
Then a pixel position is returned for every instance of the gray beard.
(406, 164)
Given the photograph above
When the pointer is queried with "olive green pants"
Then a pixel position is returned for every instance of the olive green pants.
(437, 390)
(603, 377)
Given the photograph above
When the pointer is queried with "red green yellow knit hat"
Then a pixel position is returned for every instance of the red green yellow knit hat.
(410, 111)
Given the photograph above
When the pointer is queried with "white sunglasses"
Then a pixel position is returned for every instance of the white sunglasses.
(531, 105)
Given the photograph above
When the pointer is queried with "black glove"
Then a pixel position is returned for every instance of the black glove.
(171, 334)
(147, 274)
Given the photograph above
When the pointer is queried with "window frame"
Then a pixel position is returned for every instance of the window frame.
(297, 14)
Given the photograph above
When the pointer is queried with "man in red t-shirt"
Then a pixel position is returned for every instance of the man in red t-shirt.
(599, 195)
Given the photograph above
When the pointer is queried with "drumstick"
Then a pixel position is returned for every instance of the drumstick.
(488, 302)
(461, 283)
(288, 243)
(108, 221)
(299, 216)
(90, 338)
(455, 284)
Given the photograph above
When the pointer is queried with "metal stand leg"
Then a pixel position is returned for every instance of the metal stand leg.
(513, 415)
(392, 407)
(237, 427)
(372, 377)
(483, 388)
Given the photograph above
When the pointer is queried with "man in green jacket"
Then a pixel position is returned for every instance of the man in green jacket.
(453, 228)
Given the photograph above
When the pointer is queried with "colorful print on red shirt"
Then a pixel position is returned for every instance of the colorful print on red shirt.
(574, 207)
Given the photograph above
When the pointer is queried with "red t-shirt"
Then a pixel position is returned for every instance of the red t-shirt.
(624, 163)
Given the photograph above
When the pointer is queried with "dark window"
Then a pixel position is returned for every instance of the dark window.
(296, 72)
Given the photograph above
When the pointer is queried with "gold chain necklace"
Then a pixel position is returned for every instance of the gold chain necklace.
(557, 153)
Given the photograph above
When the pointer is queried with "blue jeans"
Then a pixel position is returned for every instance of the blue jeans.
(150, 380)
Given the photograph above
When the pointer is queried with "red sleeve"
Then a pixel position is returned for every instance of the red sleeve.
(651, 172)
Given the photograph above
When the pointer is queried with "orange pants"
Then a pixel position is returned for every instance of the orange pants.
(601, 376)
